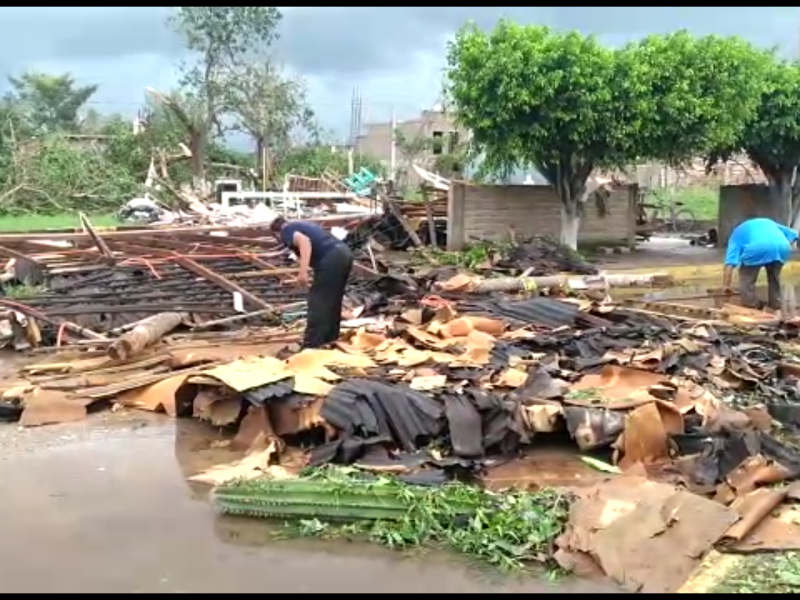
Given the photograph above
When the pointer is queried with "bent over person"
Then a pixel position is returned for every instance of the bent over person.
(331, 260)
(754, 244)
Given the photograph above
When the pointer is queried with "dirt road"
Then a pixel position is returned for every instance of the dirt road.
(104, 506)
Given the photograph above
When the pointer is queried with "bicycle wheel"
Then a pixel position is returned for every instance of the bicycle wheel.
(684, 221)
(658, 224)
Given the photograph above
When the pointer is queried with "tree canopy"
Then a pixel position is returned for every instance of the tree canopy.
(565, 104)
(48, 103)
(58, 153)
(771, 137)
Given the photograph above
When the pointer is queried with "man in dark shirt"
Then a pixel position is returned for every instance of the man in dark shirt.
(331, 261)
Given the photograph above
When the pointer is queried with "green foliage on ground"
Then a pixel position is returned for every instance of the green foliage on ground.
(772, 573)
(507, 530)
(40, 222)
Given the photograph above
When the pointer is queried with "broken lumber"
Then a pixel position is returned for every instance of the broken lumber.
(146, 333)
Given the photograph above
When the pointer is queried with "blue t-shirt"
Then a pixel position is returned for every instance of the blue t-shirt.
(322, 241)
(759, 242)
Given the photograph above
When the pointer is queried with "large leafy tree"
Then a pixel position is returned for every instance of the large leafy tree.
(563, 103)
(219, 36)
(533, 96)
(49, 103)
(771, 138)
(695, 93)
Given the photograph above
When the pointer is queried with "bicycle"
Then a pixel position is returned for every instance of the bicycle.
(676, 219)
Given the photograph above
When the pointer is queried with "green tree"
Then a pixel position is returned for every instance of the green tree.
(219, 36)
(269, 106)
(566, 105)
(693, 94)
(49, 103)
(532, 96)
(771, 138)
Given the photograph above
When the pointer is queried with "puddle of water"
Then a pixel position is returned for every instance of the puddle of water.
(112, 512)
(697, 294)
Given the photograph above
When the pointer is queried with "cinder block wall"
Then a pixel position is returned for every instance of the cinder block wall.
(737, 203)
(488, 212)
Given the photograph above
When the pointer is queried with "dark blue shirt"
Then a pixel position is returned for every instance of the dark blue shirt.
(759, 242)
(322, 241)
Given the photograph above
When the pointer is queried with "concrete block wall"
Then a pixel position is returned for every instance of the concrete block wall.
(737, 203)
(488, 212)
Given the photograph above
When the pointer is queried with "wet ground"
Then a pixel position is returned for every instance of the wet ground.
(104, 506)
(697, 294)
(660, 252)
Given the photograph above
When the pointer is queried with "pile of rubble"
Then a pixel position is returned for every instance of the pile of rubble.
(444, 389)
(436, 377)
(95, 285)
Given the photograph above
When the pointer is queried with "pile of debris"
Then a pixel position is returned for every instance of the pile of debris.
(541, 255)
(96, 285)
(93, 285)
(710, 406)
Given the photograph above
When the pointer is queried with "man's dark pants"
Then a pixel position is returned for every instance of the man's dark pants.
(747, 285)
(324, 316)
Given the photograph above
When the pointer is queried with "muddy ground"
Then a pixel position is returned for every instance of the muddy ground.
(104, 506)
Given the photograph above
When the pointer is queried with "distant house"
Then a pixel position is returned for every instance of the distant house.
(436, 125)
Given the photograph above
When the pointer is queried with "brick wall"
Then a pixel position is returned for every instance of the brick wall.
(488, 211)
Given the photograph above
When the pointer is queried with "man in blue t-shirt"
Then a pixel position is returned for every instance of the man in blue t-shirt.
(754, 244)
(331, 261)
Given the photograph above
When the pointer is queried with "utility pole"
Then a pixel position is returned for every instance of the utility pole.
(393, 145)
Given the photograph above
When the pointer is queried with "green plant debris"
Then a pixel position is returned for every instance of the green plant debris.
(763, 574)
(592, 395)
(24, 291)
(474, 255)
(506, 530)
(600, 465)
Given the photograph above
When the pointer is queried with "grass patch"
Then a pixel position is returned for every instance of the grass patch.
(763, 574)
(9, 223)
(508, 530)
(701, 201)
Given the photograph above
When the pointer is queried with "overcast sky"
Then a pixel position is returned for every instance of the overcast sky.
(394, 55)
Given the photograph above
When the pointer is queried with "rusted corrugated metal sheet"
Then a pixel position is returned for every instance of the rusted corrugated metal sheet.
(543, 312)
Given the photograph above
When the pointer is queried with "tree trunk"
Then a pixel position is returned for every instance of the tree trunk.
(568, 176)
(146, 333)
(197, 144)
(570, 223)
(580, 282)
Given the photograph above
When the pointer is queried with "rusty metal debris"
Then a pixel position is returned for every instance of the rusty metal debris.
(99, 284)
(443, 377)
